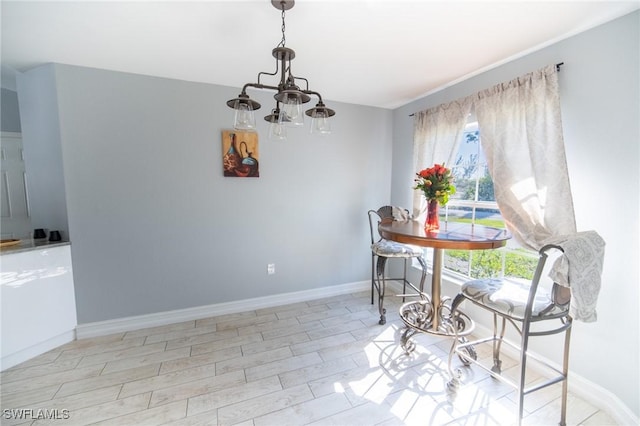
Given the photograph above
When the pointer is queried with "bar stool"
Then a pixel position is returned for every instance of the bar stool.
(522, 303)
(382, 250)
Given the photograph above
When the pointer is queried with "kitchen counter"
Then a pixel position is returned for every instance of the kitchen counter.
(28, 245)
(37, 299)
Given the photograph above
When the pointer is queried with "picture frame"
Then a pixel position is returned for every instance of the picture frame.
(240, 153)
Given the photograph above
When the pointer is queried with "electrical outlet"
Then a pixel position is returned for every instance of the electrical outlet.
(271, 268)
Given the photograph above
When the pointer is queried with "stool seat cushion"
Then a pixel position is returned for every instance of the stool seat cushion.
(508, 296)
(386, 248)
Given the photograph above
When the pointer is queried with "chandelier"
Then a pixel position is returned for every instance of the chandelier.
(289, 97)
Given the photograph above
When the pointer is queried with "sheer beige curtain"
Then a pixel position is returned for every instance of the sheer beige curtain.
(521, 135)
(437, 133)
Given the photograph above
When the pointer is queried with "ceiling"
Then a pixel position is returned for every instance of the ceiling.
(382, 53)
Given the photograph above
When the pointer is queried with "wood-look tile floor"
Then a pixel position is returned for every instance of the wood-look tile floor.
(322, 362)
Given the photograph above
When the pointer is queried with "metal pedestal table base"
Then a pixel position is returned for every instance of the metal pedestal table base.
(418, 316)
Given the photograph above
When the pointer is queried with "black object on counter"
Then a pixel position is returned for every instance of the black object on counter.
(54, 236)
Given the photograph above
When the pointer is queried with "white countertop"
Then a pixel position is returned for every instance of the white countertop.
(28, 245)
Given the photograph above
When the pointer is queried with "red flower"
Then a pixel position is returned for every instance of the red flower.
(436, 183)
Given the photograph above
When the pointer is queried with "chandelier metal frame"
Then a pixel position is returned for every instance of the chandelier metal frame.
(289, 94)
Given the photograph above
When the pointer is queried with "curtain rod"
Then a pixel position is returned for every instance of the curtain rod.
(558, 65)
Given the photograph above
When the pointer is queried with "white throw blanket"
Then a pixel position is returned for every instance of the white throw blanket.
(580, 268)
(400, 213)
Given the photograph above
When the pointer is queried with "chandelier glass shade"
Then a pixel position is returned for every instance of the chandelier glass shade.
(289, 96)
(277, 129)
(320, 116)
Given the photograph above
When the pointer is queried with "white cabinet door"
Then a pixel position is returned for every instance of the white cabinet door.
(14, 201)
(37, 303)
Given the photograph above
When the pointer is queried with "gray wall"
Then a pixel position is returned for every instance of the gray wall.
(9, 114)
(600, 105)
(42, 152)
(155, 226)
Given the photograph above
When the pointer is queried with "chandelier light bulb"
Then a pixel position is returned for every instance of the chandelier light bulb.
(291, 114)
(244, 118)
(320, 123)
(277, 131)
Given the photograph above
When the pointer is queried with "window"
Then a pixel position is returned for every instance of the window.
(474, 202)
(541, 200)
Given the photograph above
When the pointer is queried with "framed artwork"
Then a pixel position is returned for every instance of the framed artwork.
(240, 154)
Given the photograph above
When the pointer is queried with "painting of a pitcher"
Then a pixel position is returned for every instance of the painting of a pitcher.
(240, 154)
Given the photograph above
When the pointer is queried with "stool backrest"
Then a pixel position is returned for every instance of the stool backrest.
(560, 295)
(382, 214)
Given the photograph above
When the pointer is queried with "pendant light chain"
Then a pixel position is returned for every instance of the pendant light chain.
(283, 41)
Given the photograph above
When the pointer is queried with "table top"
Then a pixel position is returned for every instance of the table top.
(452, 235)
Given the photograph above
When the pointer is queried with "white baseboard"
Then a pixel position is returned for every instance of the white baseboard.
(120, 325)
(26, 354)
(603, 399)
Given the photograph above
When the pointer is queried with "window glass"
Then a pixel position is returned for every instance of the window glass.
(474, 202)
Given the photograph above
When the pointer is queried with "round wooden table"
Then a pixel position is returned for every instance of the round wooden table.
(428, 314)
